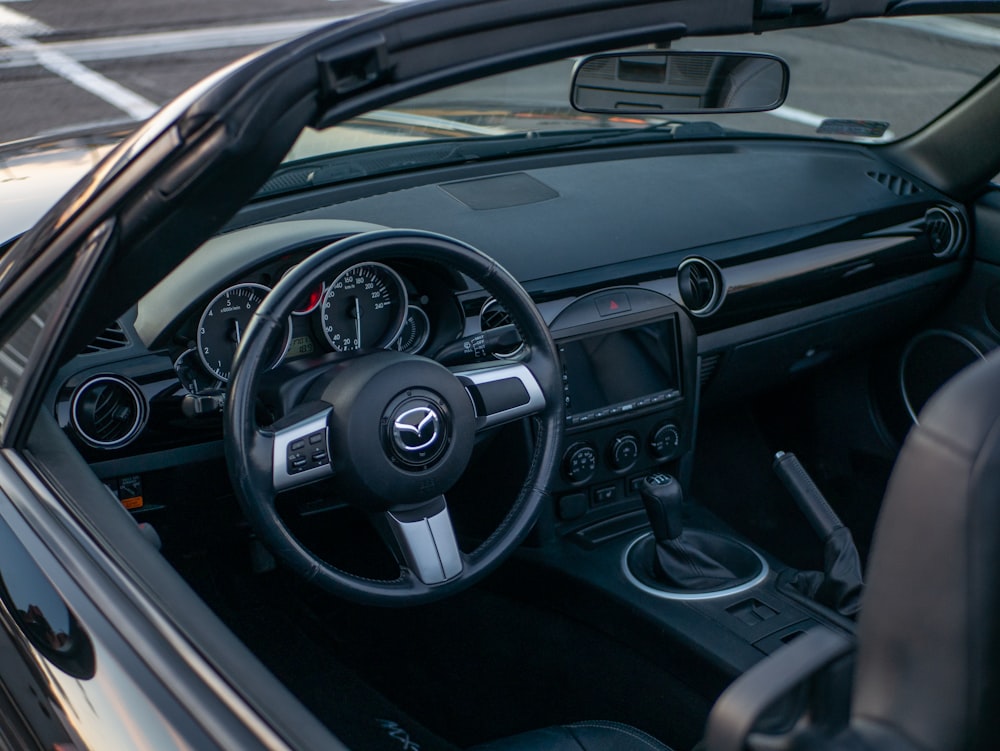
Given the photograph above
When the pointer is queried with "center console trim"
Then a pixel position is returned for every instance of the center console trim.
(692, 596)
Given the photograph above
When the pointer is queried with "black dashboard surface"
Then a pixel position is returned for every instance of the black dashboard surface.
(644, 203)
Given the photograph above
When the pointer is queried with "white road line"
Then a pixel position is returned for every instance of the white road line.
(812, 120)
(18, 24)
(133, 105)
(171, 42)
(949, 28)
(14, 31)
(795, 115)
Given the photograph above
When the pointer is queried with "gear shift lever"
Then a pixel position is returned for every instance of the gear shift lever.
(688, 560)
(662, 496)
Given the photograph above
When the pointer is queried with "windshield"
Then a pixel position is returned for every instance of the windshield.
(866, 80)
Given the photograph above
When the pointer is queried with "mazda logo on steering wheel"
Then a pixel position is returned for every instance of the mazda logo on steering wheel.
(417, 429)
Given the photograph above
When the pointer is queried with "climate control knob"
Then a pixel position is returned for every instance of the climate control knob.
(623, 451)
(579, 463)
(665, 441)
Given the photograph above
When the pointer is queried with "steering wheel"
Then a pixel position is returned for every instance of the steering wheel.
(392, 431)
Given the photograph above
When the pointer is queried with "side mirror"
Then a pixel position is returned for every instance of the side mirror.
(679, 83)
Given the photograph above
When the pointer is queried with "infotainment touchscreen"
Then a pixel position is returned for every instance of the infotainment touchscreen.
(621, 369)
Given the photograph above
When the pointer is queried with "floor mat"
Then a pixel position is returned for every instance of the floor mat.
(482, 665)
(278, 631)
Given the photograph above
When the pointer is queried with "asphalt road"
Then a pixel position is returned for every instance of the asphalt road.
(66, 63)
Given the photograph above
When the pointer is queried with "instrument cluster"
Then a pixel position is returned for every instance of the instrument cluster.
(369, 306)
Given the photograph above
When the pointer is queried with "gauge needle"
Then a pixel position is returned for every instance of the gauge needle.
(237, 324)
(357, 321)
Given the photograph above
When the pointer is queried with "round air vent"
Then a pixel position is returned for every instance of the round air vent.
(945, 231)
(108, 411)
(700, 285)
(492, 316)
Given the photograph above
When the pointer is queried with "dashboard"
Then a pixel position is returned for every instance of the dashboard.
(672, 277)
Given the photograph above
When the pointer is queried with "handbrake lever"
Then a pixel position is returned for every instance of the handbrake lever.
(842, 579)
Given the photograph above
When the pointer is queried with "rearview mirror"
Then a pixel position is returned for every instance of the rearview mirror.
(671, 82)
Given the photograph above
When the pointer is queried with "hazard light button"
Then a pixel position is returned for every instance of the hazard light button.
(613, 303)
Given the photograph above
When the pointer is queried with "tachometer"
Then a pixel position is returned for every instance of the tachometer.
(222, 325)
(364, 308)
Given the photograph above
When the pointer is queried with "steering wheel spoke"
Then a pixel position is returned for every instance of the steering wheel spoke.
(300, 447)
(502, 393)
(426, 540)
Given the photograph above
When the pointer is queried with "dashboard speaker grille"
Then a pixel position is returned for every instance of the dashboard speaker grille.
(113, 337)
(108, 411)
(898, 185)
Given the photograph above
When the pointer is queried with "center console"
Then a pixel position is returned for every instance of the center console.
(628, 359)
(629, 373)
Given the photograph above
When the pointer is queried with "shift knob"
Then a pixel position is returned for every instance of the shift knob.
(662, 496)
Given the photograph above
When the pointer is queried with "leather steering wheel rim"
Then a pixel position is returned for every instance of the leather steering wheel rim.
(249, 450)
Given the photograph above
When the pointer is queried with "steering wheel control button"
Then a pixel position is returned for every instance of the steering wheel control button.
(300, 452)
(623, 452)
(418, 431)
(299, 461)
(665, 441)
(579, 463)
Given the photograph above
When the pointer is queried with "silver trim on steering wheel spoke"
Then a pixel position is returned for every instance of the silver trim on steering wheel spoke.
(300, 453)
(533, 397)
(428, 544)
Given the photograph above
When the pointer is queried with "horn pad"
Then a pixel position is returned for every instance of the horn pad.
(402, 430)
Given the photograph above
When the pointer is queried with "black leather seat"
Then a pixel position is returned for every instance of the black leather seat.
(580, 736)
(927, 662)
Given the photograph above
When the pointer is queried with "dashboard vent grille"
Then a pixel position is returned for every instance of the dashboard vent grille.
(491, 316)
(108, 411)
(700, 285)
(707, 366)
(898, 185)
(113, 337)
(945, 231)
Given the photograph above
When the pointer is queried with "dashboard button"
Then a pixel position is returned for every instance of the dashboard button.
(665, 441)
(572, 506)
(613, 304)
(579, 462)
(623, 451)
(607, 494)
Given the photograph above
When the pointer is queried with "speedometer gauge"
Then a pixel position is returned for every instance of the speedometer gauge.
(222, 326)
(364, 308)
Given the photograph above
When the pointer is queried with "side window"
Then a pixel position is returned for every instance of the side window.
(22, 360)
(15, 353)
